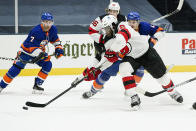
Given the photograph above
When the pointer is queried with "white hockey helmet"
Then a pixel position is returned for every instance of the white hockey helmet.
(109, 20)
(114, 6)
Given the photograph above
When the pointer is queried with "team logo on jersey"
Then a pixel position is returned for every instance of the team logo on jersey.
(152, 26)
(188, 46)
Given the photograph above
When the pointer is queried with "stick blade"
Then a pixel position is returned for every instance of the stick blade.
(149, 94)
(32, 104)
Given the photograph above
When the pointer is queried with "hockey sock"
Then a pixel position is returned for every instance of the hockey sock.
(129, 82)
(9, 76)
(42, 74)
(168, 86)
(99, 82)
(39, 81)
(166, 82)
(139, 74)
(96, 88)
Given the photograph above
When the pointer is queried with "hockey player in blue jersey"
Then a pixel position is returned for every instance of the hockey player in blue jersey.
(33, 51)
(144, 28)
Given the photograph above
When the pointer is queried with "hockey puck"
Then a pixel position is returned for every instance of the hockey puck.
(25, 108)
(194, 105)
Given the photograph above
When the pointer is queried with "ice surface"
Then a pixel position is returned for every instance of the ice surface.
(106, 111)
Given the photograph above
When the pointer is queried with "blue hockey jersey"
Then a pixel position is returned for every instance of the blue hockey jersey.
(36, 36)
(148, 29)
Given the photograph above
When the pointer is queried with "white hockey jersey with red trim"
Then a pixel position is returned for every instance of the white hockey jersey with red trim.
(95, 30)
(127, 36)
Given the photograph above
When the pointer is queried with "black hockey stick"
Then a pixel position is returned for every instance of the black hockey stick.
(140, 90)
(149, 94)
(74, 84)
(6, 58)
(170, 14)
(13, 59)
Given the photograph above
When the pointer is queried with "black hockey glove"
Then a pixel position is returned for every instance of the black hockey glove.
(105, 38)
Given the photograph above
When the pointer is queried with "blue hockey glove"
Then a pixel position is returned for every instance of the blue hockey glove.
(152, 41)
(59, 51)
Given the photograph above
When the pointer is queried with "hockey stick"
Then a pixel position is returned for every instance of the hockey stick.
(149, 94)
(73, 84)
(146, 93)
(169, 14)
(6, 58)
(13, 59)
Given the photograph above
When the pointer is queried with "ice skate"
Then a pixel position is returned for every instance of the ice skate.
(133, 98)
(135, 102)
(37, 89)
(176, 96)
(88, 94)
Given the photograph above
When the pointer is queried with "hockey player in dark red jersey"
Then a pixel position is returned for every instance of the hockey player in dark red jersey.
(33, 51)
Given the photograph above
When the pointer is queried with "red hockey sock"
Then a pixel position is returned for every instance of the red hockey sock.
(129, 82)
(168, 86)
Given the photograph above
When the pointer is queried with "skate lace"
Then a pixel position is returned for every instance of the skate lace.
(134, 99)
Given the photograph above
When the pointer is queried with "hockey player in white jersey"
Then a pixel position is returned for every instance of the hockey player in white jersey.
(139, 54)
(96, 33)
(134, 51)
(99, 37)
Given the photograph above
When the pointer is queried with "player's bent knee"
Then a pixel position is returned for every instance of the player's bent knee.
(47, 66)
(19, 65)
(104, 76)
(14, 71)
(125, 69)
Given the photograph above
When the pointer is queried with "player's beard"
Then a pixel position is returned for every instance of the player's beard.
(109, 32)
(46, 27)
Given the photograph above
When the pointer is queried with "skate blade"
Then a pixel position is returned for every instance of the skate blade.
(135, 108)
(37, 92)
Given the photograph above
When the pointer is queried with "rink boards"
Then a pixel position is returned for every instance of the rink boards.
(174, 48)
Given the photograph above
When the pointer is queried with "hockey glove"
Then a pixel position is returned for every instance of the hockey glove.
(91, 74)
(59, 51)
(152, 41)
(112, 56)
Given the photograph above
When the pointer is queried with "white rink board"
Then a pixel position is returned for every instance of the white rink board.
(11, 44)
(170, 49)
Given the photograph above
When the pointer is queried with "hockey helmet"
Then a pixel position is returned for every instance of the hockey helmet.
(47, 16)
(114, 6)
(109, 20)
(133, 16)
